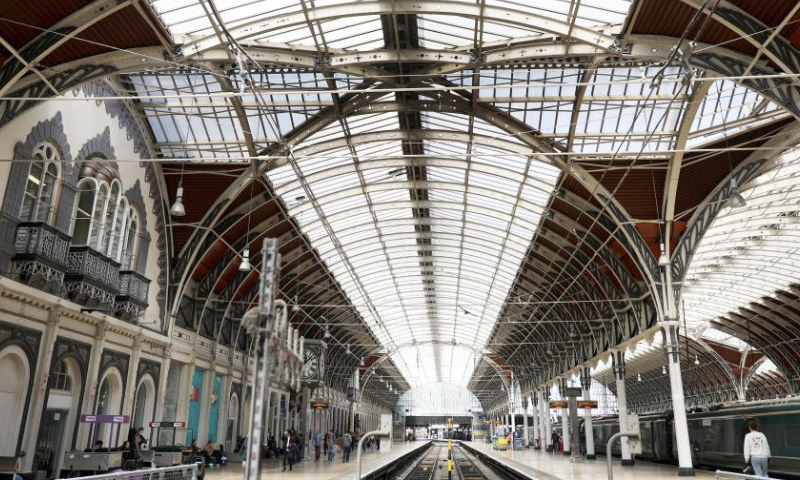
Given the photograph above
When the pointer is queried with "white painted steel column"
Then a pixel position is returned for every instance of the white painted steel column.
(91, 385)
(548, 427)
(513, 422)
(618, 357)
(669, 331)
(526, 437)
(586, 383)
(536, 423)
(566, 434)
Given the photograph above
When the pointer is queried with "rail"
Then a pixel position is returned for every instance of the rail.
(608, 449)
(387, 470)
(497, 463)
(181, 472)
(723, 475)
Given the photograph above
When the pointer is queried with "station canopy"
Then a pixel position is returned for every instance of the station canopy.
(472, 192)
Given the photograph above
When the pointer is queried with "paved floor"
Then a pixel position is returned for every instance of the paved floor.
(547, 466)
(311, 470)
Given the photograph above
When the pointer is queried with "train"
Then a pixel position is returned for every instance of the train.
(716, 437)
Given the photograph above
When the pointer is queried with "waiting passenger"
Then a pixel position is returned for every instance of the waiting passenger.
(756, 451)
(98, 446)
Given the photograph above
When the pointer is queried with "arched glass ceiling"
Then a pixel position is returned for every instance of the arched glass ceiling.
(429, 363)
(438, 399)
(426, 246)
(360, 30)
(748, 253)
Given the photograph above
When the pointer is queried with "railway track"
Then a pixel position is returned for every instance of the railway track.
(426, 468)
(466, 466)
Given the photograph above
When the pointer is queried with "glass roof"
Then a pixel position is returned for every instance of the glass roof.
(748, 254)
(420, 270)
(425, 227)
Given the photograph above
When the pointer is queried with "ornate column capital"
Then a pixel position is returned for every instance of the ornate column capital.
(618, 360)
(670, 332)
(586, 378)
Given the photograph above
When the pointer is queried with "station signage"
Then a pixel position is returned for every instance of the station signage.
(573, 392)
(167, 424)
(559, 404)
(319, 405)
(587, 403)
(105, 419)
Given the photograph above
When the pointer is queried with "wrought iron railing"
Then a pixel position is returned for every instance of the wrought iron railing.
(41, 240)
(133, 286)
(84, 261)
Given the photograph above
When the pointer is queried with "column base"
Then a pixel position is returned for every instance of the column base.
(686, 472)
(627, 463)
(591, 456)
(567, 453)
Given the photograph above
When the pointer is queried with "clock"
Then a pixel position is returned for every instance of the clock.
(310, 365)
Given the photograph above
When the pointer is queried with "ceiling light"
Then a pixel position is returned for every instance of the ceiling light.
(696, 360)
(736, 200)
(296, 306)
(327, 333)
(664, 370)
(348, 348)
(245, 265)
(177, 209)
(663, 260)
(362, 361)
(639, 377)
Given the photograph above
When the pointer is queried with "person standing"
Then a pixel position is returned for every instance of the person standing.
(289, 445)
(756, 450)
(317, 446)
(331, 440)
(347, 442)
(556, 439)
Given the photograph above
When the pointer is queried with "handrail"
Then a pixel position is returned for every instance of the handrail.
(608, 449)
(360, 445)
(142, 472)
(722, 474)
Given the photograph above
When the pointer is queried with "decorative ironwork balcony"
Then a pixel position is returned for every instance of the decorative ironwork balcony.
(40, 255)
(132, 299)
(92, 279)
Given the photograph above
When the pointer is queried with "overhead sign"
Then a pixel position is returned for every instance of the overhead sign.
(573, 392)
(587, 403)
(167, 424)
(559, 404)
(105, 419)
(319, 405)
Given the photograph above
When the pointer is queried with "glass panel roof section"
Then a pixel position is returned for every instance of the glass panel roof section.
(430, 269)
(748, 255)
(727, 108)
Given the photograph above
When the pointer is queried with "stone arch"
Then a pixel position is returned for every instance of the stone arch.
(15, 369)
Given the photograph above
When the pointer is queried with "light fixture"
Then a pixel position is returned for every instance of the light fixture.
(736, 200)
(177, 209)
(663, 260)
(639, 377)
(362, 361)
(696, 360)
(348, 349)
(327, 334)
(296, 306)
(664, 370)
(245, 265)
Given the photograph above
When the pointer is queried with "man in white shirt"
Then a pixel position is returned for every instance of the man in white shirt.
(756, 450)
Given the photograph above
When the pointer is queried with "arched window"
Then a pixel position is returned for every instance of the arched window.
(61, 379)
(131, 243)
(84, 211)
(41, 185)
(100, 205)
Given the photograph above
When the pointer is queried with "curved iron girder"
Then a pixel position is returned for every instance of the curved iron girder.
(707, 211)
(503, 15)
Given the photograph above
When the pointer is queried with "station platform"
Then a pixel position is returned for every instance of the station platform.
(540, 465)
(318, 470)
